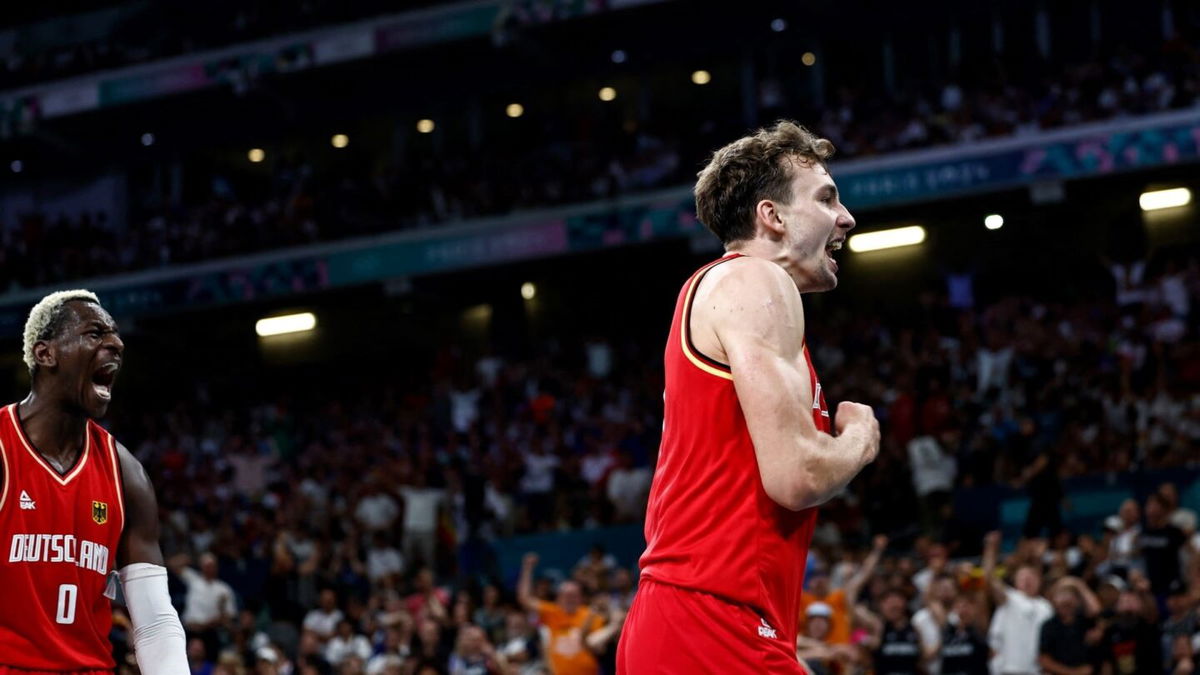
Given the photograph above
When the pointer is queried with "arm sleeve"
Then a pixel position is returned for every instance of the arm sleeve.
(158, 637)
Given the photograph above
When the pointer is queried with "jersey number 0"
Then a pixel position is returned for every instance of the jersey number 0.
(67, 594)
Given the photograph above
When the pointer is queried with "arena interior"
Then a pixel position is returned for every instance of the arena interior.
(476, 218)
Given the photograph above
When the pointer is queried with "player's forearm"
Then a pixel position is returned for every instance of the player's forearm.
(158, 637)
(830, 463)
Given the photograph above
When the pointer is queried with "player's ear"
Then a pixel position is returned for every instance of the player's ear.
(44, 354)
(767, 216)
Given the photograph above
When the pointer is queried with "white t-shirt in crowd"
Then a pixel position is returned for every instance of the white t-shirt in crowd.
(464, 409)
(1016, 631)
(321, 622)
(539, 473)
(383, 562)
(338, 649)
(206, 598)
(420, 508)
(930, 635)
(932, 468)
(595, 465)
(627, 489)
(377, 512)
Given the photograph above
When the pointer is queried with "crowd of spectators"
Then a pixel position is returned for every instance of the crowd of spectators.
(355, 533)
(141, 32)
(564, 161)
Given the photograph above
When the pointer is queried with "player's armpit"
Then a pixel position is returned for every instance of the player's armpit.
(756, 313)
(139, 540)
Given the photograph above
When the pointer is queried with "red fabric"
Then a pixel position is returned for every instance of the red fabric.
(710, 526)
(59, 545)
(671, 631)
(6, 670)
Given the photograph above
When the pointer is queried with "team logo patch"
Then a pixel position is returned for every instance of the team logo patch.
(100, 512)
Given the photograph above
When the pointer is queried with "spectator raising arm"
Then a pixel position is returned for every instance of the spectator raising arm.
(1091, 603)
(525, 594)
(856, 582)
(996, 587)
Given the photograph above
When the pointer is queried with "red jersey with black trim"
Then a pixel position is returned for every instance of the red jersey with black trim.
(59, 536)
(710, 525)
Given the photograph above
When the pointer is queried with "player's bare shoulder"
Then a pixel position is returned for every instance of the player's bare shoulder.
(745, 294)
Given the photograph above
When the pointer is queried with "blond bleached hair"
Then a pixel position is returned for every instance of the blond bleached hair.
(46, 315)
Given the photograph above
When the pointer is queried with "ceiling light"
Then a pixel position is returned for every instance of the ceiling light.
(288, 323)
(881, 239)
(1165, 199)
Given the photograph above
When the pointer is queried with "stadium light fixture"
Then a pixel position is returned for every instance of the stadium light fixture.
(881, 239)
(778, 25)
(619, 56)
(339, 141)
(425, 126)
(993, 221)
(514, 110)
(701, 77)
(607, 93)
(288, 323)
(256, 155)
(147, 139)
(17, 166)
(1165, 199)
(528, 290)
(808, 58)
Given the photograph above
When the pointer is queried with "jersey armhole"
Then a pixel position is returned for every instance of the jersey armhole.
(4, 475)
(698, 358)
(118, 476)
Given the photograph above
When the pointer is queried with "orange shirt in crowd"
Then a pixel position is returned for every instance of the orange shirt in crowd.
(839, 623)
(565, 651)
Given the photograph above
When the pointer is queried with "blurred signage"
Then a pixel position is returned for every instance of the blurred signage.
(669, 214)
(1074, 152)
(241, 65)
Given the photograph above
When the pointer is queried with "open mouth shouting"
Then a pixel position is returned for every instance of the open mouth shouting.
(103, 378)
(830, 248)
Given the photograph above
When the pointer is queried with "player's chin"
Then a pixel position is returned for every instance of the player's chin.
(827, 281)
(94, 405)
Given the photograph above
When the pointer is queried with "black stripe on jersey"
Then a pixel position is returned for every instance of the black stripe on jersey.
(687, 320)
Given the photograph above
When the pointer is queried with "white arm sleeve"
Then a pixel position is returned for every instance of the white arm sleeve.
(158, 637)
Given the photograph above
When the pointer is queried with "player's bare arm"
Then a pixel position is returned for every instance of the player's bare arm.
(157, 633)
(139, 541)
(752, 316)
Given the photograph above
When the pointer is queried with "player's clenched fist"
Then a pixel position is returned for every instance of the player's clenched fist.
(858, 418)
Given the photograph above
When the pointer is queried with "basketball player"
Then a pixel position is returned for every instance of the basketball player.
(747, 452)
(74, 506)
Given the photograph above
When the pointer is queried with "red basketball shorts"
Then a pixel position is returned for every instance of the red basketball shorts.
(673, 630)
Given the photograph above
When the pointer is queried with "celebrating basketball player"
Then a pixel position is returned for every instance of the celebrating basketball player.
(746, 452)
(74, 506)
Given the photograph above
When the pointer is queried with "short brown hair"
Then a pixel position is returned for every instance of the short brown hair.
(749, 170)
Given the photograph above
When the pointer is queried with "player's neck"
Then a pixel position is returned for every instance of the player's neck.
(767, 250)
(57, 434)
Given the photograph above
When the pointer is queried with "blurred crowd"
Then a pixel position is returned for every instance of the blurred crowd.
(58, 48)
(1123, 602)
(356, 533)
(418, 183)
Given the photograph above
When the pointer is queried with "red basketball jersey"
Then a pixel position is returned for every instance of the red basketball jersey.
(59, 535)
(710, 525)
